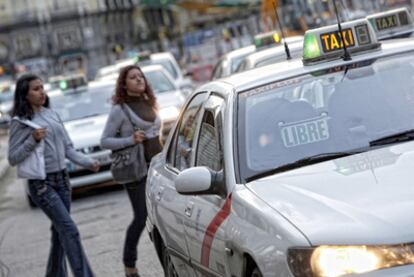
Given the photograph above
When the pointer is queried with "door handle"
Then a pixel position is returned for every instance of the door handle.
(189, 209)
(159, 194)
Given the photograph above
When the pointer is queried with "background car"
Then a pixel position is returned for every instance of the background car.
(6, 103)
(165, 59)
(228, 64)
(270, 56)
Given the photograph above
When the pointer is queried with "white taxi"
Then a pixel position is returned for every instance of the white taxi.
(272, 55)
(397, 23)
(256, 180)
(263, 42)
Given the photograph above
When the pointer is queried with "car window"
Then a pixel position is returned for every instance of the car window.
(208, 149)
(237, 61)
(181, 147)
(218, 70)
(159, 81)
(242, 66)
(84, 103)
(332, 110)
(169, 66)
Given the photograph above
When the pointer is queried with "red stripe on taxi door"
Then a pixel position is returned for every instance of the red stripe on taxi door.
(212, 230)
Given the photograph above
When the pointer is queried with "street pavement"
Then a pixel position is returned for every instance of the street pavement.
(102, 216)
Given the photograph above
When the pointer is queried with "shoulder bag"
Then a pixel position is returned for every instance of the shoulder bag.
(128, 164)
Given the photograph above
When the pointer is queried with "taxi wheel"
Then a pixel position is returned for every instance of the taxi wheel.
(256, 273)
(169, 268)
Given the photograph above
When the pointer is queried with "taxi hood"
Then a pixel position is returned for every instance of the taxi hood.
(361, 199)
(86, 132)
(170, 98)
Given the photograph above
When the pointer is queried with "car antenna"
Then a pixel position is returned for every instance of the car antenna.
(347, 56)
(287, 50)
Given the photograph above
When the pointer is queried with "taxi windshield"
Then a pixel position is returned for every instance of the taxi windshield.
(159, 81)
(164, 63)
(336, 110)
(85, 103)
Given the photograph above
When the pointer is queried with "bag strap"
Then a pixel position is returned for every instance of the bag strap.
(129, 118)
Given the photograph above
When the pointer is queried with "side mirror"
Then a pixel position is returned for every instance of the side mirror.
(200, 181)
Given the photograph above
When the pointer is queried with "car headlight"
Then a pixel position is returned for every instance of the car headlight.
(169, 113)
(332, 261)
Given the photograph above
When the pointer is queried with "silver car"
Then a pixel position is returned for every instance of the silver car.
(255, 181)
(270, 56)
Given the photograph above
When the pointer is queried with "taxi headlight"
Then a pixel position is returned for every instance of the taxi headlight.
(169, 113)
(332, 261)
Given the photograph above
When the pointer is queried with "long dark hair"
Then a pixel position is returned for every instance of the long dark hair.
(120, 90)
(21, 106)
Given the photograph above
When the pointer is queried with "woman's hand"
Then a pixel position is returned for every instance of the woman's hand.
(95, 167)
(39, 134)
(139, 137)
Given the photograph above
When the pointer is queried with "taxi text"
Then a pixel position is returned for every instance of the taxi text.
(386, 22)
(332, 41)
(311, 131)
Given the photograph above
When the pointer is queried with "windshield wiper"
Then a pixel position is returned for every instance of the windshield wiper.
(399, 137)
(303, 162)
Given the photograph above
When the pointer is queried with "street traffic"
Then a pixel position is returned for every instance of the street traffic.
(288, 153)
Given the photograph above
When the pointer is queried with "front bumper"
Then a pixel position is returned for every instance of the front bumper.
(81, 177)
(90, 179)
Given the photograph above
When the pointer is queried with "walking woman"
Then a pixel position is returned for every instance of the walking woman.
(133, 120)
(34, 124)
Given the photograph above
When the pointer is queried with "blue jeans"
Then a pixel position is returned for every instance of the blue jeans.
(53, 196)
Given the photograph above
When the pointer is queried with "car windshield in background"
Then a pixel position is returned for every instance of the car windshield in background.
(341, 109)
(159, 81)
(237, 61)
(164, 63)
(167, 65)
(85, 103)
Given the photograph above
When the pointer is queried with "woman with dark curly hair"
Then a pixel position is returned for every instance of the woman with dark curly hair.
(35, 125)
(133, 120)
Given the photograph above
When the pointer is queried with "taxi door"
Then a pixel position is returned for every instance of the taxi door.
(171, 204)
(205, 215)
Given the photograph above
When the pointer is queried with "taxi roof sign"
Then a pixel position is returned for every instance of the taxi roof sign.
(66, 83)
(267, 39)
(325, 44)
(392, 24)
(142, 56)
